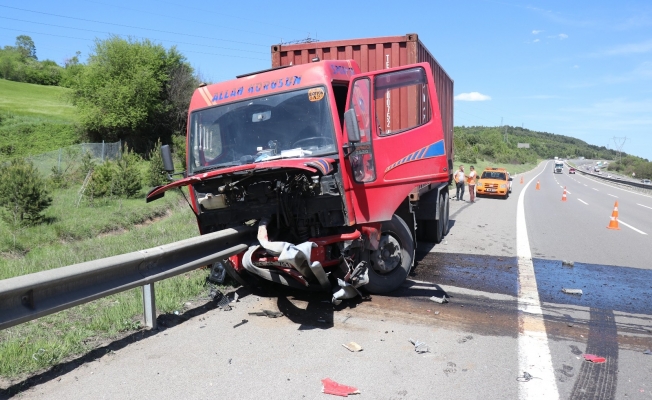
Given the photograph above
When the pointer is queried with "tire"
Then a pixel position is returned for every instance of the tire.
(397, 233)
(244, 278)
(439, 223)
(447, 207)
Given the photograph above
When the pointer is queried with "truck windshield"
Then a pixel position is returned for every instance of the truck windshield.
(291, 124)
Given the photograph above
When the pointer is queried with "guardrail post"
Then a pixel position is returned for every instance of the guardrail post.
(149, 302)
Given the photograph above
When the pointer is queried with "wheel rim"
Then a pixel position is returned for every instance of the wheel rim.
(388, 256)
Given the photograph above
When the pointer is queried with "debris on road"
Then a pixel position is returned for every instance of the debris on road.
(235, 297)
(648, 352)
(594, 359)
(525, 378)
(267, 313)
(244, 321)
(329, 386)
(440, 300)
(352, 347)
(568, 263)
(572, 291)
(420, 347)
(221, 300)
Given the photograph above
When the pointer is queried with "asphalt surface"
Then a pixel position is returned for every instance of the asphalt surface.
(473, 339)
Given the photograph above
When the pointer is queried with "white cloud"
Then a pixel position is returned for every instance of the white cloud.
(473, 96)
(536, 32)
(535, 40)
(561, 36)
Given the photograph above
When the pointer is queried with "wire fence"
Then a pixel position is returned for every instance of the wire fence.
(67, 159)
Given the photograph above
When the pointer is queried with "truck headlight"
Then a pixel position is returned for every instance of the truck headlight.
(503, 186)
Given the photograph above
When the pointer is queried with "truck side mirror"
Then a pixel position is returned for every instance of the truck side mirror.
(167, 159)
(352, 128)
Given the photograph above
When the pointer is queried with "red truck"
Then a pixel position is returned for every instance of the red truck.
(341, 155)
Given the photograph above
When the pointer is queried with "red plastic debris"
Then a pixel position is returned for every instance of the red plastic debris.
(332, 387)
(594, 359)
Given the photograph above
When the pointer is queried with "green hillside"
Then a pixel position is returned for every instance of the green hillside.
(491, 143)
(34, 119)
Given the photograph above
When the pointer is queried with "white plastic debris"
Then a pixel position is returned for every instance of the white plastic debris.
(420, 347)
(440, 300)
(572, 291)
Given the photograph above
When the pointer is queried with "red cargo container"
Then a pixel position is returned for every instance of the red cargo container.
(378, 53)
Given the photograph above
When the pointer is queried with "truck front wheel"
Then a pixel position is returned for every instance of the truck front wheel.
(392, 261)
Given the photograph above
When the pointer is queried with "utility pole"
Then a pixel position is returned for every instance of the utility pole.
(619, 142)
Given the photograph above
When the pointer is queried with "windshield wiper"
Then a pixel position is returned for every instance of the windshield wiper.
(217, 166)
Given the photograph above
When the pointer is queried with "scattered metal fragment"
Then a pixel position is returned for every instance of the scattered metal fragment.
(346, 319)
(329, 386)
(572, 291)
(420, 347)
(440, 300)
(568, 263)
(594, 359)
(235, 297)
(222, 301)
(352, 346)
(244, 321)
(648, 352)
(267, 313)
(436, 312)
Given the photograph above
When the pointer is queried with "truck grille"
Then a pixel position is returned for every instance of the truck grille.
(491, 186)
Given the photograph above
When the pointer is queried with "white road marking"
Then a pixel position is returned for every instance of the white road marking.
(583, 201)
(631, 227)
(533, 350)
(612, 195)
(643, 206)
(596, 189)
(568, 191)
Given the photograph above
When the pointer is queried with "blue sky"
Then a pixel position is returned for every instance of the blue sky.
(580, 68)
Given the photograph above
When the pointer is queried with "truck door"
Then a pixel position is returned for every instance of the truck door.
(401, 140)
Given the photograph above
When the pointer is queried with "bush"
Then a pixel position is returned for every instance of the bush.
(179, 149)
(128, 178)
(23, 193)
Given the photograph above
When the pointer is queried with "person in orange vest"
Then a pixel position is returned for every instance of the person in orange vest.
(470, 180)
(459, 183)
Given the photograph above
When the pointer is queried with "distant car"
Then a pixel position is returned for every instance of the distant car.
(571, 170)
(646, 181)
(494, 182)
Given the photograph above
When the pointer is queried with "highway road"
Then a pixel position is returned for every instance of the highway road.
(508, 331)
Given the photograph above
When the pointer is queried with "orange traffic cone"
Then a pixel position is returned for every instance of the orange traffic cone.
(563, 196)
(613, 224)
(538, 186)
(521, 180)
(615, 211)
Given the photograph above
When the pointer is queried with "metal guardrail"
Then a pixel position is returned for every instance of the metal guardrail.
(27, 297)
(620, 181)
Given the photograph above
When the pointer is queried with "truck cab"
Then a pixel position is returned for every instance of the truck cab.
(301, 152)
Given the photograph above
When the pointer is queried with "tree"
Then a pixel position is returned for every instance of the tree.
(26, 46)
(23, 193)
(128, 91)
(156, 174)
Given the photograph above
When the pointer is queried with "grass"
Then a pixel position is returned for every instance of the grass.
(26, 99)
(47, 341)
(34, 119)
(480, 165)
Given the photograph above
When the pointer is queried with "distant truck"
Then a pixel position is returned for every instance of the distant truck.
(559, 167)
(341, 156)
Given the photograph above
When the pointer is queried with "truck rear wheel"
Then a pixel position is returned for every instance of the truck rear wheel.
(392, 261)
(447, 206)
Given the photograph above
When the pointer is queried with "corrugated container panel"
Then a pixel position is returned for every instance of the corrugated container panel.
(373, 54)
